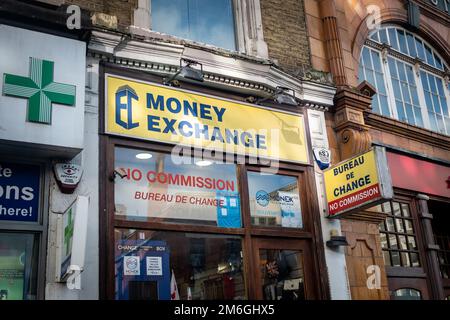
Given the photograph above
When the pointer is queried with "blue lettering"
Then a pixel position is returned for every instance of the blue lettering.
(130, 95)
(169, 126)
(181, 128)
(157, 104)
(153, 123)
(205, 111)
(219, 113)
(170, 107)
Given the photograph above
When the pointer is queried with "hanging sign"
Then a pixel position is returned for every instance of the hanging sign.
(72, 233)
(358, 183)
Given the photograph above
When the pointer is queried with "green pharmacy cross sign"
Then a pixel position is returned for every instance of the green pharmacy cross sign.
(40, 90)
(68, 232)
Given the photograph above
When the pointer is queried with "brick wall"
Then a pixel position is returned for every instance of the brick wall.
(122, 9)
(285, 33)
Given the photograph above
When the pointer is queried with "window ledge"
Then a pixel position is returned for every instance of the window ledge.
(408, 131)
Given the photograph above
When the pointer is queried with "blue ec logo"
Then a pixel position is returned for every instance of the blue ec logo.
(130, 94)
(262, 198)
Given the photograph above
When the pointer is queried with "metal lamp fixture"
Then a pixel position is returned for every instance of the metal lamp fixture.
(187, 72)
(336, 240)
(282, 97)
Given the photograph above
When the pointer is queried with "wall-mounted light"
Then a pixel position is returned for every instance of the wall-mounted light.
(282, 96)
(336, 240)
(187, 72)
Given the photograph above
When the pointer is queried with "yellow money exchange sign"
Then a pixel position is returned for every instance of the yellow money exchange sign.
(160, 113)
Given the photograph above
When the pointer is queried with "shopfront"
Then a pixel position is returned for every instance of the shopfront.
(41, 121)
(205, 196)
(414, 236)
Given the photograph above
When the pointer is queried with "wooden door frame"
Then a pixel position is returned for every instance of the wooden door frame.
(304, 246)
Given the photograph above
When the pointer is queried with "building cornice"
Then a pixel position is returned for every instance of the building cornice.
(408, 131)
(255, 77)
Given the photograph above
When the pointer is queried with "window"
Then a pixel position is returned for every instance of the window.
(420, 96)
(407, 294)
(441, 233)
(274, 200)
(158, 187)
(398, 237)
(163, 265)
(205, 21)
(18, 269)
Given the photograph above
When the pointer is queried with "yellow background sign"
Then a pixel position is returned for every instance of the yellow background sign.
(352, 183)
(159, 113)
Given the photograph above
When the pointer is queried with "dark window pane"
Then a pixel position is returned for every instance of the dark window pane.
(18, 266)
(433, 122)
(420, 49)
(393, 38)
(423, 77)
(396, 208)
(393, 241)
(402, 243)
(411, 45)
(386, 207)
(384, 106)
(412, 243)
(429, 53)
(399, 225)
(400, 111)
(390, 224)
(387, 258)
(383, 36)
(409, 226)
(415, 260)
(392, 68)
(405, 209)
(410, 114)
(383, 240)
(406, 262)
(375, 37)
(418, 115)
(376, 61)
(428, 101)
(282, 274)
(395, 257)
(402, 41)
(203, 266)
(407, 294)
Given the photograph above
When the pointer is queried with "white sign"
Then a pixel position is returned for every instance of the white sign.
(132, 266)
(323, 157)
(44, 108)
(154, 266)
(290, 209)
(71, 235)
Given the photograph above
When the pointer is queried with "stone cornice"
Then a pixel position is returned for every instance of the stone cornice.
(407, 131)
(254, 77)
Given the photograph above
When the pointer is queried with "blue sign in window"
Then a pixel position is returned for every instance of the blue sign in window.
(19, 192)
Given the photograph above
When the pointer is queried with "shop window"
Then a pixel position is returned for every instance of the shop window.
(416, 91)
(282, 274)
(151, 186)
(398, 237)
(441, 221)
(165, 265)
(210, 22)
(274, 200)
(407, 294)
(18, 266)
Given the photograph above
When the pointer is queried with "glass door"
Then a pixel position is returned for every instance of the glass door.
(282, 269)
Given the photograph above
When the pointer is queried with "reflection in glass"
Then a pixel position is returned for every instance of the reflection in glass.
(210, 22)
(282, 274)
(274, 200)
(395, 257)
(407, 294)
(18, 261)
(149, 265)
(175, 190)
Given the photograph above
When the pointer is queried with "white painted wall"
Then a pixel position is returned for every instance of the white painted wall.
(335, 258)
(69, 56)
(88, 186)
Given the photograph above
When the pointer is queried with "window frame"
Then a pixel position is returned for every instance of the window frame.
(38, 228)
(387, 52)
(248, 27)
